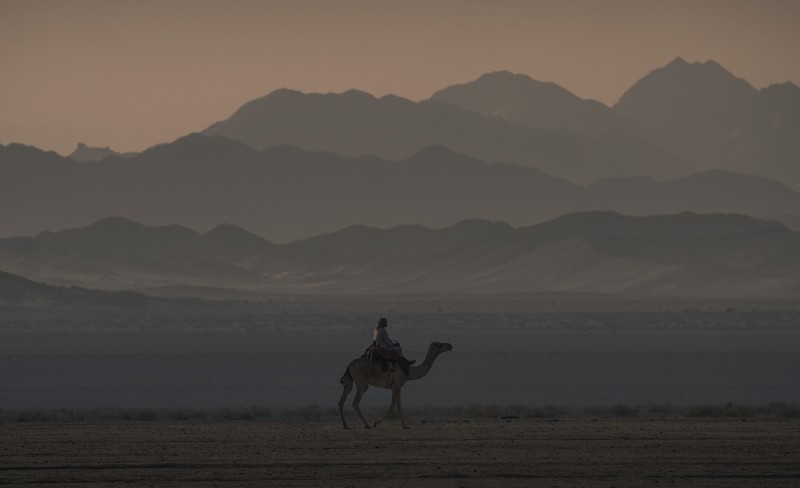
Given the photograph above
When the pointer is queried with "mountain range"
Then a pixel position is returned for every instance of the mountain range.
(285, 193)
(699, 112)
(493, 156)
(690, 255)
(522, 100)
(676, 120)
(355, 123)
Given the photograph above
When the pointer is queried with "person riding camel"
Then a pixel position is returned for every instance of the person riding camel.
(388, 348)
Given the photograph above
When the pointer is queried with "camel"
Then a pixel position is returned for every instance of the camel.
(364, 374)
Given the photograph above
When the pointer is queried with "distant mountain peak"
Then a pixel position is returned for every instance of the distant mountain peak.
(523, 100)
(284, 92)
(678, 61)
(785, 89)
(358, 94)
(291, 94)
(710, 63)
(106, 226)
(396, 100)
(224, 227)
(679, 71)
(501, 73)
(688, 108)
(504, 75)
(505, 79)
(84, 153)
(122, 225)
(681, 63)
(115, 223)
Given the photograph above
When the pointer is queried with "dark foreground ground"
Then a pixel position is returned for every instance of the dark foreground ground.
(681, 452)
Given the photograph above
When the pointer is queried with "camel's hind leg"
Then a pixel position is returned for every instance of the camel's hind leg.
(347, 384)
(360, 389)
(400, 409)
(391, 407)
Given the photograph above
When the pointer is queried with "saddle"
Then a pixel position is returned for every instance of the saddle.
(387, 359)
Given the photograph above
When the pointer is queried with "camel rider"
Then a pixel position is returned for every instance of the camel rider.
(388, 348)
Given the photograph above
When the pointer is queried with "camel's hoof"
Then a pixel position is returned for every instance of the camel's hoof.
(346, 427)
(367, 426)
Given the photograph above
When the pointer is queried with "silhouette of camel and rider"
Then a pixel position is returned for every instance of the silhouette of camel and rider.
(378, 367)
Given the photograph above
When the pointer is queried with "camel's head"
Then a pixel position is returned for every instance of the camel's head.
(440, 347)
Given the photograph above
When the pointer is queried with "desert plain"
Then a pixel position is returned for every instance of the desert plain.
(122, 385)
(527, 452)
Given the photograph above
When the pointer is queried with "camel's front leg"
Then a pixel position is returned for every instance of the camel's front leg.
(400, 409)
(360, 393)
(394, 402)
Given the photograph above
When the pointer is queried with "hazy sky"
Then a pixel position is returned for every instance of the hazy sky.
(130, 74)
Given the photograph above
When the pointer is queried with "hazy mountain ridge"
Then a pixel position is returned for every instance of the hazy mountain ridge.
(704, 113)
(674, 120)
(286, 193)
(689, 108)
(698, 111)
(685, 254)
(355, 123)
(521, 99)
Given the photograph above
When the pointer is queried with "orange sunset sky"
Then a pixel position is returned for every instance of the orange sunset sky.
(130, 74)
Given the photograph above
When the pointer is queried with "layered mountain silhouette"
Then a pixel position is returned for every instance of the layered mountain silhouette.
(285, 193)
(355, 123)
(690, 108)
(700, 112)
(702, 255)
(494, 155)
(703, 113)
(520, 99)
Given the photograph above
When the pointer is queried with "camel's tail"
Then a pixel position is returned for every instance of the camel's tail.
(346, 377)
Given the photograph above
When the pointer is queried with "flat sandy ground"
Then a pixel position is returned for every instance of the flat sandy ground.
(683, 452)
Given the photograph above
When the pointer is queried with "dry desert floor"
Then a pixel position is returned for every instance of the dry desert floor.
(620, 453)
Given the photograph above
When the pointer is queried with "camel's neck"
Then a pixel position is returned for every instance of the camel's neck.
(417, 372)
